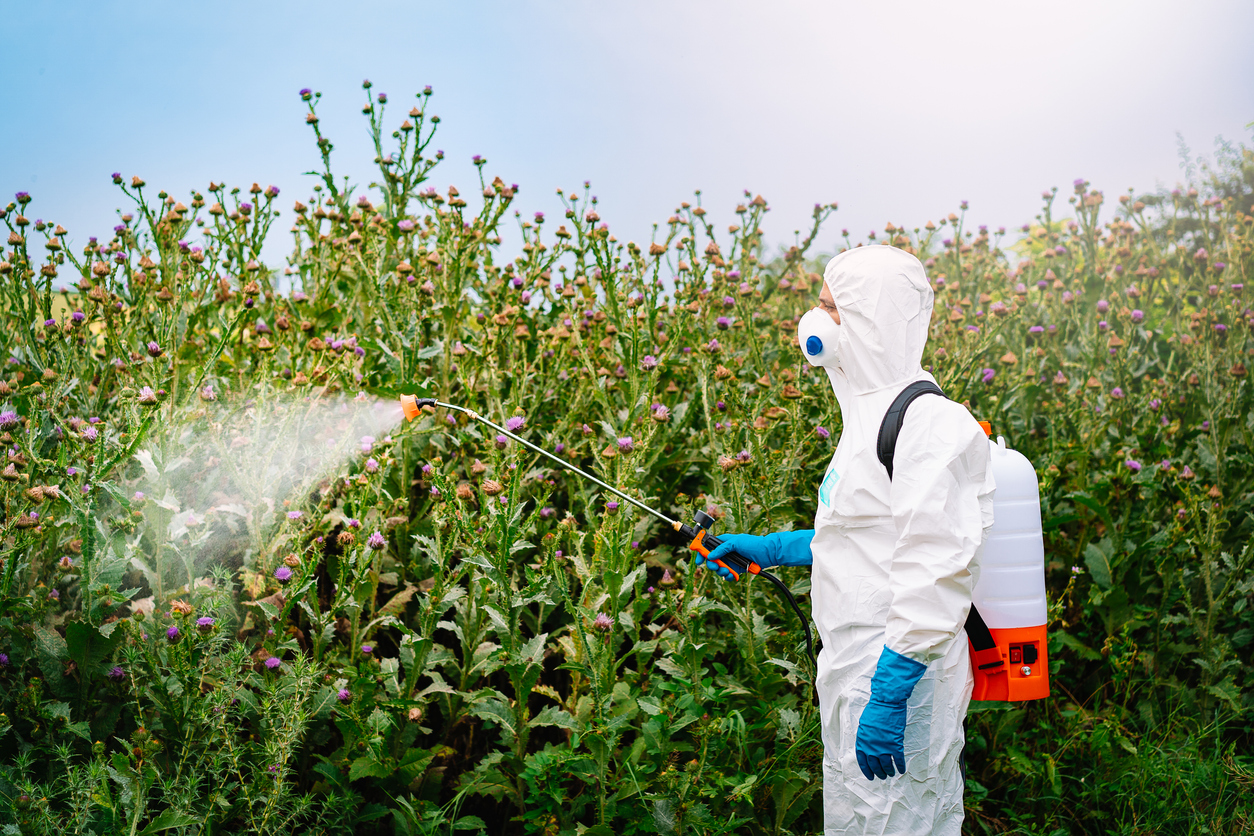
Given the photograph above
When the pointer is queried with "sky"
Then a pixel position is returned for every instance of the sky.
(896, 111)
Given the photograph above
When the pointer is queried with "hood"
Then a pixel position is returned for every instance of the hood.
(885, 305)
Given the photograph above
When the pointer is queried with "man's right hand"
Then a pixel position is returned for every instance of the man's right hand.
(783, 548)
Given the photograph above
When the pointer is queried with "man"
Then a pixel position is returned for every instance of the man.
(894, 560)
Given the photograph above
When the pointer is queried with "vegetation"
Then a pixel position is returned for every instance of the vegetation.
(238, 594)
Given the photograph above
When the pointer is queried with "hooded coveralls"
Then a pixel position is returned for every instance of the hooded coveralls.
(895, 560)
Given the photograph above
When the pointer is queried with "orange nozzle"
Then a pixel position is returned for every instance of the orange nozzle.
(984, 425)
(413, 405)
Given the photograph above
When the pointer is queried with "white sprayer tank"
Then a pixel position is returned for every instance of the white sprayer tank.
(1010, 592)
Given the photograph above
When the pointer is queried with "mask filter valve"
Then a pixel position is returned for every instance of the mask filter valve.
(818, 335)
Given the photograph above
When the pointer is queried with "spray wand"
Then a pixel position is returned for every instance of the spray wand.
(697, 536)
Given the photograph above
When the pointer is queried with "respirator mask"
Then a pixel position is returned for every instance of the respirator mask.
(818, 335)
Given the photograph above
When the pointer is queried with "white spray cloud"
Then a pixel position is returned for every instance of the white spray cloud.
(219, 485)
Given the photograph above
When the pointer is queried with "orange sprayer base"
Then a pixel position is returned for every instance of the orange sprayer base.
(1024, 674)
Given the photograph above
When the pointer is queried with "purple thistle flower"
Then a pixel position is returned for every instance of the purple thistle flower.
(1102, 306)
(546, 513)
(372, 466)
(514, 423)
(273, 662)
(989, 374)
(354, 523)
(50, 323)
(1036, 329)
(117, 674)
(648, 362)
(376, 541)
(1220, 328)
(204, 624)
(1205, 425)
(1165, 464)
(154, 350)
(172, 634)
(1138, 315)
(344, 695)
(625, 444)
(71, 471)
(283, 574)
(822, 432)
(722, 323)
(90, 434)
(54, 595)
(611, 507)
(305, 93)
(1103, 325)
(602, 623)
(294, 515)
(501, 442)
(367, 649)
(78, 316)
(8, 418)
(1116, 393)
(4, 660)
(1155, 404)
(1133, 465)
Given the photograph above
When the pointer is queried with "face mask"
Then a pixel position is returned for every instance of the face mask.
(818, 335)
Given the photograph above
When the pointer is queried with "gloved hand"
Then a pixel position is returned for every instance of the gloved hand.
(882, 728)
(783, 548)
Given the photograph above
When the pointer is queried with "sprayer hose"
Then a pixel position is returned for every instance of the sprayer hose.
(792, 602)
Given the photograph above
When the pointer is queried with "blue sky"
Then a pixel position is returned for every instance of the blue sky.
(898, 111)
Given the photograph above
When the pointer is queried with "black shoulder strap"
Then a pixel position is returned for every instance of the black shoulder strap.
(896, 416)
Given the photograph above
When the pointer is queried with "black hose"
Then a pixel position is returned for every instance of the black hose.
(792, 602)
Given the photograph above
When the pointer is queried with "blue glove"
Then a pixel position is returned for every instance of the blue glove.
(783, 548)
(882, 729)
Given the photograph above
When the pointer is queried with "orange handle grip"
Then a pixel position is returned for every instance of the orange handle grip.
(698, 545)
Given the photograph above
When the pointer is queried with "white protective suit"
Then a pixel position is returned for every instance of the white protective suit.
(895, 561)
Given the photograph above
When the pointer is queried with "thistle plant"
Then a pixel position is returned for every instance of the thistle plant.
(237, 594)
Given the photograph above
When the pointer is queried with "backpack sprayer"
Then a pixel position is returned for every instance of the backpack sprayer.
(697, 536)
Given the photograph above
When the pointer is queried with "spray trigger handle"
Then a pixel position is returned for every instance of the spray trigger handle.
(702, 542)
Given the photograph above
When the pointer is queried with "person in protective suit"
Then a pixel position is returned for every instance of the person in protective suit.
(894, 560)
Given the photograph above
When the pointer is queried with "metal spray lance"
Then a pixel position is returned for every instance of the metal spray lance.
(696, 536)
